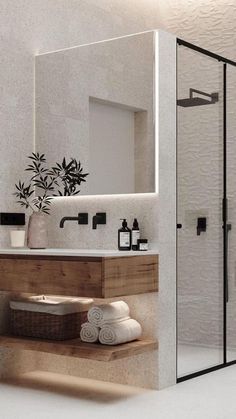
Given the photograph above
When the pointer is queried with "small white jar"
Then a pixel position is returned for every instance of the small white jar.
(17, 238)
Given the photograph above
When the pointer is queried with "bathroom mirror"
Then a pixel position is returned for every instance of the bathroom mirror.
(95, 103)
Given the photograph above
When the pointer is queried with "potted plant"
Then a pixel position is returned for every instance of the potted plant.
(63, 179)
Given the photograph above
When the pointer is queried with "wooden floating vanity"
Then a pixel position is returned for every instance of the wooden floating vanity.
(97, 274)
(85, 276)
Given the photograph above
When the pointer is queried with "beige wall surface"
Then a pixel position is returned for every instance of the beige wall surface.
(28, 28)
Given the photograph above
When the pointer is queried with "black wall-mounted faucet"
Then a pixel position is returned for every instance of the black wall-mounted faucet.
(82, 219)
(99, 218)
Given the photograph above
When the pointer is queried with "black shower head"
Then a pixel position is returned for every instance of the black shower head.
(194, 101)
(198, 101)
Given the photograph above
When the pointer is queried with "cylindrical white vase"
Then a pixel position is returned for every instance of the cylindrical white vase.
(17, 238)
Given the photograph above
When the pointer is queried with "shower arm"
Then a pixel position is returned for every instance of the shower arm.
(212, 96)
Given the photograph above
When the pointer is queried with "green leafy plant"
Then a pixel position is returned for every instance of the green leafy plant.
(63, 179)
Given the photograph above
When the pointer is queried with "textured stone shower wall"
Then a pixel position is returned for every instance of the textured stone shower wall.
(200, 191)
(210, 25)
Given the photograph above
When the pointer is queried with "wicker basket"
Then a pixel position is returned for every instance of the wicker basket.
(31, 317)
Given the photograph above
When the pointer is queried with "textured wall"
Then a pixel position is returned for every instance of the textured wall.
(159, 310)
(31, 26)
(209, 24)
(143, 207)
(200, 191)
(165, 107)
(27, 28)
(200, 188)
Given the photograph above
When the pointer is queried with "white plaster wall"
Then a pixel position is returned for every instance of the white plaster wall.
(31, 26)
(142, 206)
(26, 28)
(165, 108)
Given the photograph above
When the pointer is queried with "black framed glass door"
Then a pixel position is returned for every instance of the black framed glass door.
(230, 102)
(205, 264)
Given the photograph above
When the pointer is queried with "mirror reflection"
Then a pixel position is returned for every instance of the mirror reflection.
(94, 103)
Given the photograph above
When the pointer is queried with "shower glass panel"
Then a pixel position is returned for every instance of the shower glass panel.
(231, 195)
(200, 190)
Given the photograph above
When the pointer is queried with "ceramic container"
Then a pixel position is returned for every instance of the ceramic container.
(37, 231)
(17, 238)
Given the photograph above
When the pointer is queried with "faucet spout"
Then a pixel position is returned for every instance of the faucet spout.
(82, 218)
(64, 219)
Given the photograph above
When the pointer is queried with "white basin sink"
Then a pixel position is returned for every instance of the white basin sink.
(75, 252)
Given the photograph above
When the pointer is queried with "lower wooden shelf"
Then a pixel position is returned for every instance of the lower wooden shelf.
(78, 349)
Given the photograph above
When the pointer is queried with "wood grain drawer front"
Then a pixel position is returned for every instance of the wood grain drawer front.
(101, 277)
(52, 276)
(130, 275)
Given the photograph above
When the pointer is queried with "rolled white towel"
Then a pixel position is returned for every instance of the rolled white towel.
(89, 333)
(108, 313)
(120, 332)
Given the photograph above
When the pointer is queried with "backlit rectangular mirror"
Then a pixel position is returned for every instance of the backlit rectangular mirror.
(94, 103)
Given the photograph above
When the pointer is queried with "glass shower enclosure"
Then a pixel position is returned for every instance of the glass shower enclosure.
(206, 211)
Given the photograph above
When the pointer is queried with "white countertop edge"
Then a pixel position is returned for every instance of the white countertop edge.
(75, 252)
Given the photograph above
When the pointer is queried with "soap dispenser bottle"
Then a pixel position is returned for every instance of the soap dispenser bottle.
(124, 236)
(135, 234)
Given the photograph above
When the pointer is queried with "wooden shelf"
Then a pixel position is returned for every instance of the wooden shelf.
(78, 349)
(97, 277)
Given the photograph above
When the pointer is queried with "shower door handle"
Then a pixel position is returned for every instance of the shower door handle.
(228, 228)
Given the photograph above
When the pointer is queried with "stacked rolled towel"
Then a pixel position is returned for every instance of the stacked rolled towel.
(108, 313)
(110, 324)
(120, 332)
(89, 333)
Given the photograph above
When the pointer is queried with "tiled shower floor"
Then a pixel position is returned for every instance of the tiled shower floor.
(192, 358)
